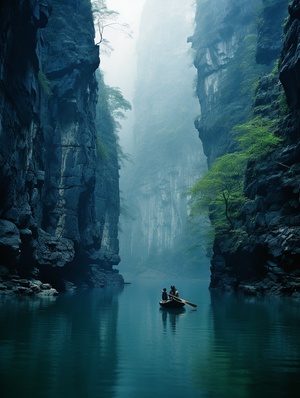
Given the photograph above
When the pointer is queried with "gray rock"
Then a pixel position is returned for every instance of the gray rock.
(9, 235)
(48, 293)
(45, 286)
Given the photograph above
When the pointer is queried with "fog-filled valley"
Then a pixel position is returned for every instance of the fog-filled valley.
(149, 206)
(149, 138)
(165, 154)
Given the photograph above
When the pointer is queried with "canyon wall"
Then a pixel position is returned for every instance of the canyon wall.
(58, 210)
(260, 254)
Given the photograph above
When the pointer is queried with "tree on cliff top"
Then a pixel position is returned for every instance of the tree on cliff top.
(105, 19)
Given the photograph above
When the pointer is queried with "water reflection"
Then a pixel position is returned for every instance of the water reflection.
(63, 347)
(171, 316)
(255, 348)
(121, 344)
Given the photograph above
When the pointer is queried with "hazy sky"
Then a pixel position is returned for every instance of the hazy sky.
(119, 67)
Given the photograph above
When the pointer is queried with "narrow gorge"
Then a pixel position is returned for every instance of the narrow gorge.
(166, 154)
(149, 198)
(212, 186)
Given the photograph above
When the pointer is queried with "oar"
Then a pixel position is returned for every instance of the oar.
(183, 301)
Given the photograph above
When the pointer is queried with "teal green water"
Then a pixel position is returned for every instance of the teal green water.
(117, 342)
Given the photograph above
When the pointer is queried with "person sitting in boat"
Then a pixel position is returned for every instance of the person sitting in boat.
(173, 292)
(164, 295)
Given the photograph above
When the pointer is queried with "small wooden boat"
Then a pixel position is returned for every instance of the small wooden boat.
(171, 304)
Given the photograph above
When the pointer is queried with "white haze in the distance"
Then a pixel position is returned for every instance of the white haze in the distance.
(120, 66)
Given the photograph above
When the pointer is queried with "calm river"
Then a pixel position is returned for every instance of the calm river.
(117, 342)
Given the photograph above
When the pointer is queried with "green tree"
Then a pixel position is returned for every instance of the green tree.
(117, 104)
(110, 109)
(220, 191)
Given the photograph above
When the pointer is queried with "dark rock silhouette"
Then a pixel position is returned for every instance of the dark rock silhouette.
(58, 218)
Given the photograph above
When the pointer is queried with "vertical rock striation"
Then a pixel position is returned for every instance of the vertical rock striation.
(263, 253)
(224, 32)
(166, 153)
(53, 221)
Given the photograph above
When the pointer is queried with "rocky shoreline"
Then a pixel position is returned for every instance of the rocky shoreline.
(13, 285)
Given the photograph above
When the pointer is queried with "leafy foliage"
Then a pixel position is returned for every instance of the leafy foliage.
(117, 104)
(250, 132)
(111, 107)
(256, 137)
(220, 191)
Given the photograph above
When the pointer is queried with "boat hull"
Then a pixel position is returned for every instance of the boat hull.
(171, 304)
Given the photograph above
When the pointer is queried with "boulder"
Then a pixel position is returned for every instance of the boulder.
(53, 251)
(48, 293)
(9, 236)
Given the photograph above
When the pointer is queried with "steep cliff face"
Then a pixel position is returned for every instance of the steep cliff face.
(224, 42)
(227, 42)
(262, 254)
(166, 152)
(51, 176)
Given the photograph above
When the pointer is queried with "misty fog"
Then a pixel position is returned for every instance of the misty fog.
(154, 70)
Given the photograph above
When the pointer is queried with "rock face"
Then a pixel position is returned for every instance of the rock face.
(224, 31)
(166, 157)
(264, 255)
(58, 216)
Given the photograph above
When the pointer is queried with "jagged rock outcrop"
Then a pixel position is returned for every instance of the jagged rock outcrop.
(226, 68)
(224, 32)
(262, 254)
(50, 175)
(269, 27)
